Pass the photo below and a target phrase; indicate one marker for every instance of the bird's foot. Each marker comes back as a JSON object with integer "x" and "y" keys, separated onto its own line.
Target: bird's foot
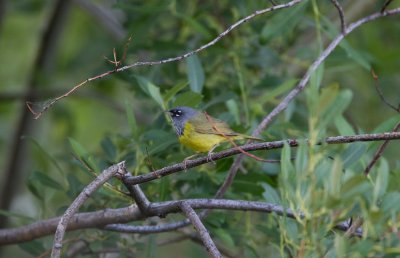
{"x": 209, "y": 157}
{"x": 186, "y": 160}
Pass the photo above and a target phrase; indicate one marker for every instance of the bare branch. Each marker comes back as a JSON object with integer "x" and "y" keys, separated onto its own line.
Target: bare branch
{"x": 379, "y": 152}
{"x": 140, "y": 198}
{"x": 378, "y": 89}
{"x": 100, "y": 219}
{"x": 83, "y": 196}
{"x": 78, "y": 221}
{"x": 201, "y": 229}
{"x": 45, "y": 107}
{"x": 341, "y": 15}
{"x": 147, "y": 229}
{"x": 127, "y": 179}
{"x": 387, "y": 3}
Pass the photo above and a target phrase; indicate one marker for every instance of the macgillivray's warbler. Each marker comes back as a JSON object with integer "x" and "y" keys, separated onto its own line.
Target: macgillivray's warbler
{"x": 201, "y": 132}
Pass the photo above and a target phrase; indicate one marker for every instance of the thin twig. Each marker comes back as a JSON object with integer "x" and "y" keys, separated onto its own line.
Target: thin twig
{"x": 251, "y": 147}
{"x": 82, "y": 197}
{"x": 341, "y": 15}
{"x": 387, "y": 3}
{"x": 378, "y": 89}
{"x": 379, "y": 152}
{"x": 45, "y": 107}
{"x": 201, "y": 229}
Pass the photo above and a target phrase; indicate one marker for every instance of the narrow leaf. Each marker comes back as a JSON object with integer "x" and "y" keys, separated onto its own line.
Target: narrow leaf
{"x": 195, "y": 73}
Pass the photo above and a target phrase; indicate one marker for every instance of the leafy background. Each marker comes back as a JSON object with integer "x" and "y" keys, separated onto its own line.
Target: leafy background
{"x": 240, "y": 79}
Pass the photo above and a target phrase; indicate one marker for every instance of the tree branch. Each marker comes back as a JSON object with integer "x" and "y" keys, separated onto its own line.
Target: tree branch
{"x": 83, "y": 196}
{"x": 100, "y": 219}
{"x": 201, "y": 229}
{"x": 341, "y": 15}
{"x": 127, "y": 179}
{"x": 379, "y": 152}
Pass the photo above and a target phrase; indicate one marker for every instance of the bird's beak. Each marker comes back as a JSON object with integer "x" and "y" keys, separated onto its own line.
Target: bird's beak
{"x": 167, "y": 111}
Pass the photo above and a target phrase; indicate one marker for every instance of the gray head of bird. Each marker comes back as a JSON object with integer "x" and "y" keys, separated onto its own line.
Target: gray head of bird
{"x": 180, "y": 115}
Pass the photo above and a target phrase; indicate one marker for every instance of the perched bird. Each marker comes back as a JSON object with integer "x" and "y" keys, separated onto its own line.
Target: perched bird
{"x": 201, "y": 132}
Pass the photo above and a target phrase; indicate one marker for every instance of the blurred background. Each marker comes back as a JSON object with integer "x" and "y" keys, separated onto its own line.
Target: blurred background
{"x": 48, "y": 47}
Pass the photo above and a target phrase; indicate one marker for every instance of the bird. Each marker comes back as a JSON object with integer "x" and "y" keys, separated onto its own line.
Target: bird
{"x": 201, "y": 132}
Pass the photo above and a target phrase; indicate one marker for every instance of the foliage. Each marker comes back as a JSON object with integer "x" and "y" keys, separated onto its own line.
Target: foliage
{"x": 240, "y": 79}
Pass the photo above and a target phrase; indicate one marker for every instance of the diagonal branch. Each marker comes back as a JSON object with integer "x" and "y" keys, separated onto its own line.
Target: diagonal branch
{"x": 140, "y": 198}
{"x": 83, "y": 196}
{"x": 379, "y": 152}
{"x": 201, "y": 229}
{"x": 341, "y": 15}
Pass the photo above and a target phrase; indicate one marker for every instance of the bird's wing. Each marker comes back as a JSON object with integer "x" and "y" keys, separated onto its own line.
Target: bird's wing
{"x": 206, "y": 124}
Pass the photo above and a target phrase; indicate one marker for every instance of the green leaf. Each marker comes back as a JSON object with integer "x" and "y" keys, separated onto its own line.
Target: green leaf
{"x": 75, "y": 186}
{"x": 174, "y": 90}
{"x": 150, "y": 89}
{"x": 353, "y": 153}
{"x": 131, "y": 120}
{"x": 225, "y": 237}
{"x": 39, "y": 177}
{"x": 343, "y": 126}
{"x": 34, "y": 189}
{"x": 109, "y": 148}
{"x": 336, "y": 108}
{"x": 83, "y": 155}
{"x": 335, "y": 178}
{"x": 270, "y": 194}
{"x": 195, "y": 73}
{"x": 279, "y": 90}
{"x": 354, "y": 54}
{"x": 282, "y": 22}
{"x": 391, "y": 203}
{"x": 34, "y": 247}
{"x": 381, "y": 180}
{"x": 188, "y": 98}
{"x": 301, "y": 157}
{"x": 387, "y": 124}
{"x": 17, "y": 215}
{"x": 356, "y": 185}
{"x": 234, "y": 109}
{"x": 41, "y": 149}
{"x": 78, "y": 149}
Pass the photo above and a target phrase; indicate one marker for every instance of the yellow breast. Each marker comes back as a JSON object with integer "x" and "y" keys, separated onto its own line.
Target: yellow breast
{"x": 198, "y": 141}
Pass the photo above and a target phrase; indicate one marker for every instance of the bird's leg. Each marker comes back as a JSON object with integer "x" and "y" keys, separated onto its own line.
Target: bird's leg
{"x": 210, "y": 152}
{"x": 187, "y": 159}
